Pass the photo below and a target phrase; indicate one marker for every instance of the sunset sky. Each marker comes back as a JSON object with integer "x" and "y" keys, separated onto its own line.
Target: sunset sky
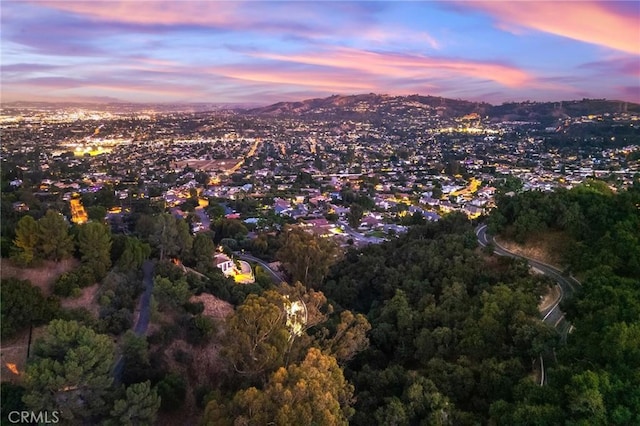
{"x": 264, "y": 51}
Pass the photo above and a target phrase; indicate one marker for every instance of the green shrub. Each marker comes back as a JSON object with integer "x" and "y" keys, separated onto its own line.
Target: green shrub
{"x": 66, "y": 284}
{"x": 172, "y": 390}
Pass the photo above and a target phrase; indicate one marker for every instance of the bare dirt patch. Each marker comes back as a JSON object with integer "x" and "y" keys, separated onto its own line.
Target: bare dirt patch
{"x": 203, "y": 369}
{"x": 546, "y": 247}
{"x": 41, "y": 276}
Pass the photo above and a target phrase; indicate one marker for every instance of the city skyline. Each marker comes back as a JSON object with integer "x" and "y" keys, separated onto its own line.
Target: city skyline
{"x": 264, "y": 52}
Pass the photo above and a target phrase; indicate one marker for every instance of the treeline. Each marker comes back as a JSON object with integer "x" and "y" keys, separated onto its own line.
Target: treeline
{"x": 596, "y": 380}
{"x": 455, "y": 331}
{"x": 602, "y": 228}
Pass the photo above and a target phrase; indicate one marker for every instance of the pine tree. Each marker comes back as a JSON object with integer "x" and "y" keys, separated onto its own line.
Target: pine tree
{"x": 54, "y": 241}
{"x": 139, "y": 408}
{"x": 26, "y": 240}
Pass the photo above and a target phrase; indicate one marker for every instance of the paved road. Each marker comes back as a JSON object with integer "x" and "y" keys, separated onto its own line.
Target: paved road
{"x": 204, "y": 218}
{"x": 145, "y": 301}
{"x": 276, "y": 276}
{"x": 552, "y": 315}
{"x": 145, "y": 313}
{"x": 357, "y": 236}
{"x": 567, "y": 285}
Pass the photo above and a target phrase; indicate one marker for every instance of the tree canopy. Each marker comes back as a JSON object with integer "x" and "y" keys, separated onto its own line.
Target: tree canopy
{"x": 312, "y": 392}
{"x": 305, "y": 256}
{"x": 26, "y": 240}
{"x": 595, "y": 379}
{"x": 70, "y": 372}
{"x": 23, "y": 305}
{"x": 94, "y": 245}
{"x": 54, "y": 241}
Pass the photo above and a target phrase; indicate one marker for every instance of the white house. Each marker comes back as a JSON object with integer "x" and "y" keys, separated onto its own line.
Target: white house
{"x": 223, "y": 262}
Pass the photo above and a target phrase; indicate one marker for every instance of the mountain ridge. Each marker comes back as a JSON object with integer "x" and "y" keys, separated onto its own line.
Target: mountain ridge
{"x": 361, "y": 105}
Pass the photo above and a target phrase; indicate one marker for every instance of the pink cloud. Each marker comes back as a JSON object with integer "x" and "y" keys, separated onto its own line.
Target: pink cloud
{"x": 391, "y": 65}
{"x": 624, "y": 66}
{"x": 148, "y": 12}
{"x": 230, "y": 15}
{"x": 591, "y": 21}
{"x": 399, "y": 35}
{"x": 312, "y": 79}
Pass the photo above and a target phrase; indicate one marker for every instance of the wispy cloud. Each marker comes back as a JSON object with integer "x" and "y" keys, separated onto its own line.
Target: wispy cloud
{"x": 254, "y": 50}
{"x": 320, "y": 80}
{"x": 615, "y": 66}
{"x": 259, "y": 17}
{"x": 629, "y": 92}
{"x": 395, "y": 65}
{"x": 149, "y": 12}
{"x": 26, "y": 68}
{"x": 600, "y": 23}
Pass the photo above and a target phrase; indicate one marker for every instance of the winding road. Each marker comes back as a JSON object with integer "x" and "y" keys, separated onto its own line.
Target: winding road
{"x": 567, "y": 285}
{"x": 277, "y": 277}
{"x": 551, "y": 315}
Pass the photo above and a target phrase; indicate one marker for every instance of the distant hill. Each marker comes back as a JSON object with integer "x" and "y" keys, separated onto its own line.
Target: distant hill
{"x": 371, "y": 105}
{"x": 551, "y": 111}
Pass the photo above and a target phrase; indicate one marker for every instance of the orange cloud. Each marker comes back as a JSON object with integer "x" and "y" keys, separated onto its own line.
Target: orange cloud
{"x": 590, "y": 22}
{"x": 390, "y": 65}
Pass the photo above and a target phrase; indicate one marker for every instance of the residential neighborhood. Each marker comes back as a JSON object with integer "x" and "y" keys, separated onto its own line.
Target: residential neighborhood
{"x": 358, "y": 180}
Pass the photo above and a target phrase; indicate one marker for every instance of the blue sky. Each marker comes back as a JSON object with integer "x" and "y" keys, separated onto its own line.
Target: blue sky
{"x": 265, "y": 51}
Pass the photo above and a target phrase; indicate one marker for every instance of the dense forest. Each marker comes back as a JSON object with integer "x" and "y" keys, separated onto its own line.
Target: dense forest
{"x": 427, "y": 328}
{"x": 596, "y": 379}
{"x": 455, "y": 330}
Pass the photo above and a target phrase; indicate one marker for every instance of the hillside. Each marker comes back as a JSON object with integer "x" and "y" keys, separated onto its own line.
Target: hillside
{"x": 372, "y": 105}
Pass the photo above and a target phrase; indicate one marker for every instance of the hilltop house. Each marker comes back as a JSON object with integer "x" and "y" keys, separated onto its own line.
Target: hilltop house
{"x": 241, "y": 273}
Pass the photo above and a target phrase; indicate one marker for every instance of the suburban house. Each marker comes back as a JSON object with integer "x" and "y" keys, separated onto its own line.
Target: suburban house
{"x": 241, "y": 273}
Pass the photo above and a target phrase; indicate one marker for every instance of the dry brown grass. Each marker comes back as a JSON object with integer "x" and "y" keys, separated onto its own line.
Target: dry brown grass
{"x": 14, "y": 351}
{"x": 86, "y": 300}
{"x": 545, "y": 247}
{"x": 204, "y": 369}
{"x": 213, "y": 307}
{"x": 549, "y": 298}
{"x": 41, "y": 276}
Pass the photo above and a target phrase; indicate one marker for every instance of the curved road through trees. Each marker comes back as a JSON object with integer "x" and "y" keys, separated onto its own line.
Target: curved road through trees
{"x": 277, "y": 277}
{"x": 552, "y": 315}
{"x": 567, "y": 285}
